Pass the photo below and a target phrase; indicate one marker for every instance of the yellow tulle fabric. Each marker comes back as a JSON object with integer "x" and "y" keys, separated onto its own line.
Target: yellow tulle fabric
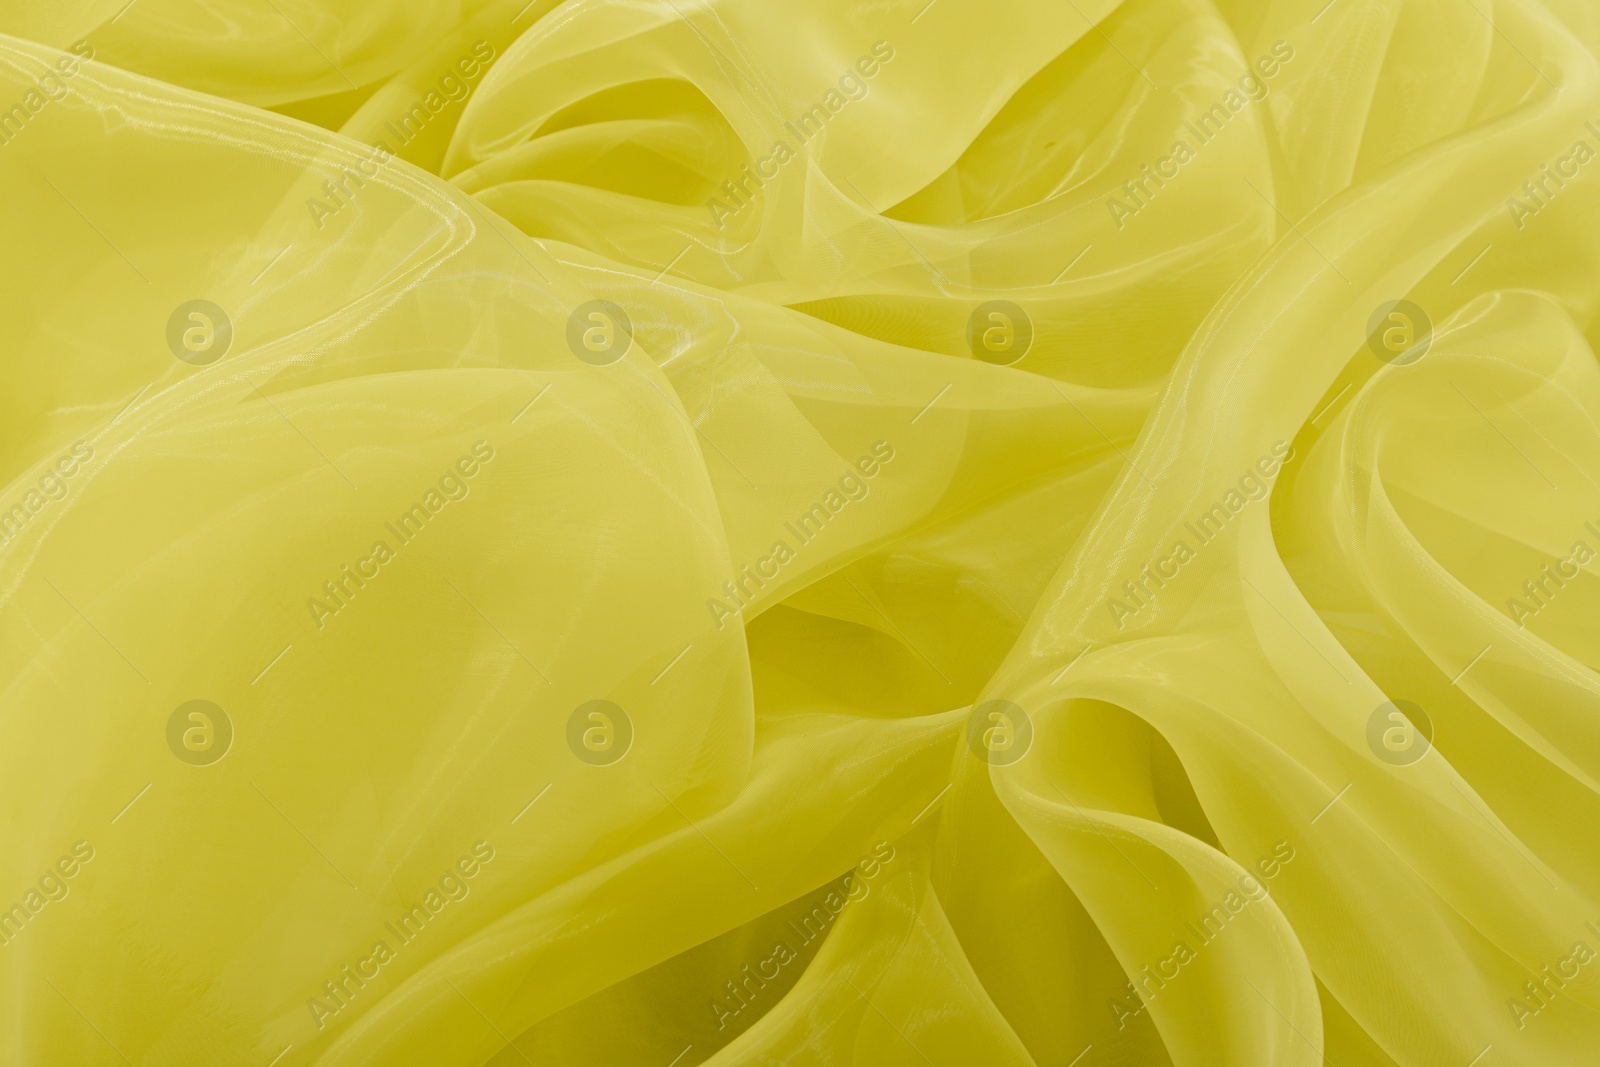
{"x": 733, "y": 533}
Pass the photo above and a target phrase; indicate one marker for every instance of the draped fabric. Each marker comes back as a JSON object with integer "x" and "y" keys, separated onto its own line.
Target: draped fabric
{"x": 732, "y": 533}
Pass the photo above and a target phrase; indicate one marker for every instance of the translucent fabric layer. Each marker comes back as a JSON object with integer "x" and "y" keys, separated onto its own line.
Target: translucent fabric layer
{"x": 839, "y": 535}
